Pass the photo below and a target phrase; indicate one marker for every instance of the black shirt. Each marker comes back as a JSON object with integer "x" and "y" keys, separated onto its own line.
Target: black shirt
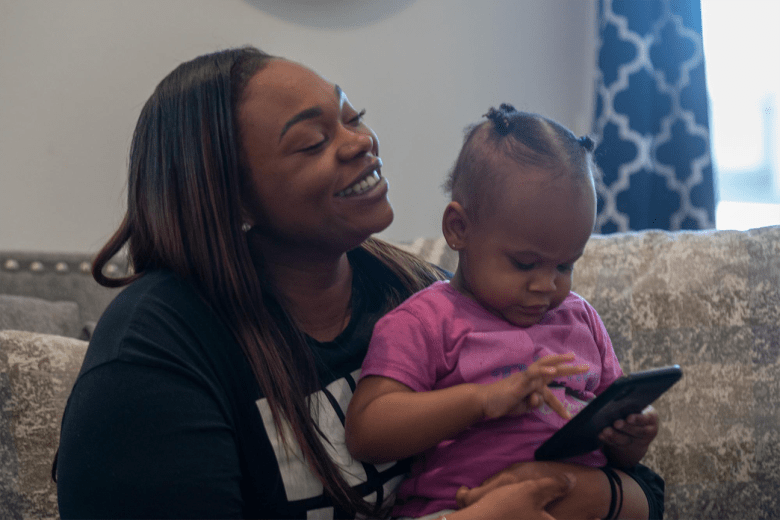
{"x": 166, "y": 419}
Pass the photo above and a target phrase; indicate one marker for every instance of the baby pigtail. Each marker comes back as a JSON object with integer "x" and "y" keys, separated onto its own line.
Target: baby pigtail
{"x": 587, "y": 143}
{"x": 500, "y": 118}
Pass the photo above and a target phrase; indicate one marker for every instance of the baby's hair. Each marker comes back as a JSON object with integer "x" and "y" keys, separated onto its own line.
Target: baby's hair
{"x": 526, "y": 138}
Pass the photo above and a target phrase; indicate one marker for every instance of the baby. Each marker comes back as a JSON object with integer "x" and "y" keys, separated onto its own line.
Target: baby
{"x": 460, "y": 374}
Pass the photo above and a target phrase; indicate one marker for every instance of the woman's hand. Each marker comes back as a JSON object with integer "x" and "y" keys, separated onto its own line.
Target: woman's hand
{"x": 527, "y": 500}
{"x": 523, "y": 391}
{"x": 626, "y": 442}
{"x": 589, "y": 497}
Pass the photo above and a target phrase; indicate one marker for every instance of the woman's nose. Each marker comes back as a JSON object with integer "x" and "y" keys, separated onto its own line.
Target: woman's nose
{"x": 356, "y": 144}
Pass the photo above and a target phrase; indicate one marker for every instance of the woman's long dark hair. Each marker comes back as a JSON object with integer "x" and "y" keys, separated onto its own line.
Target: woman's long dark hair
{"x": 184, "y": 214}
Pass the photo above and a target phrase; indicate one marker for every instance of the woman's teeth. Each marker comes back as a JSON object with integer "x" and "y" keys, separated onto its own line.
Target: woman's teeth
{"x": 361, "y": 186}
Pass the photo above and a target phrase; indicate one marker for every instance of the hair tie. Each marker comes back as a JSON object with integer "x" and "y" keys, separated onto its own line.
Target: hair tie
{"x": 616, "y": 487}
{"x": 500, "y": 118}
{"x": 586, "y": 142}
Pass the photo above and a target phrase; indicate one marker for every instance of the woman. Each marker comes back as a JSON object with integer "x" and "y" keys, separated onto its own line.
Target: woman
{"x": 215, "y": 384}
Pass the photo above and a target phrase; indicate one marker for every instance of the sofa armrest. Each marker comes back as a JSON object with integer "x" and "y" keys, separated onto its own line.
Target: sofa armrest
{"x": 710, "y": 302}
{"x": 37, "y": 372}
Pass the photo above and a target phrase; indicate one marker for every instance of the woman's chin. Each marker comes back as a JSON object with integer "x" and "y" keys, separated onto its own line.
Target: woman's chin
{"x": 378, "y": 221}
{"x": 369, "y": 232}
{"x": 386, "y": 221}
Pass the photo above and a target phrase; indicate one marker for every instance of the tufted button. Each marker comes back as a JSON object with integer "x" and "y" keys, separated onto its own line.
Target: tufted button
{"x": 11, "y": 264}
{"x": 85, "y": 267}
{"x": 36, "y": 267}
{"x": 61, "y": 267}
{"x": 112, "y": 269}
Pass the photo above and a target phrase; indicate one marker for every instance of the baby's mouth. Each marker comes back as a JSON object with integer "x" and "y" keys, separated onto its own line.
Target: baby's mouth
{"x": 365, "y": 183}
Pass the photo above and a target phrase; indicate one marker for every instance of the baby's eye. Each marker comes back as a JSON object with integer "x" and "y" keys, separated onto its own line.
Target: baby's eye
{"x": 523, "y": 267}
{"x": 566, "y": 268}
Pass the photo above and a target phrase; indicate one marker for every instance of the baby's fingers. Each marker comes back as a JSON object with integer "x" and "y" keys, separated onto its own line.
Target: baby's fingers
{"x": 555, "y": 404}
{"x": 570, "y": 370}
{"x": 554, "y": 366}
{"x": 647, "y": 417}
{"x": 555, "y": 359}
{"x": 635, "y": 428}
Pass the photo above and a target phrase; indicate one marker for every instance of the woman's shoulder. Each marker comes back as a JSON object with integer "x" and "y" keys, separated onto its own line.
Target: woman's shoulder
{"x": 159, "y": 315}
{"x": 157, "y": 283}
{"x": 158, "y": 295}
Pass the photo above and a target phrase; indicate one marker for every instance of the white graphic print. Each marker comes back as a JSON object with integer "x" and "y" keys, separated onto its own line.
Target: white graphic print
{"x": 299, "y": 482}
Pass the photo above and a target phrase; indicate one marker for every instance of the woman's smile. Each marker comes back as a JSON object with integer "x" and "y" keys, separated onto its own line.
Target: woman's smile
{"x": 314, "y": 167}
{"x": 367, "y": 180}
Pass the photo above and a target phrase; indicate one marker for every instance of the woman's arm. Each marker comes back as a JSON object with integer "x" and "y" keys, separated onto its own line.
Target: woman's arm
{"x": 528, "y": 500}
{"x": 590, "y": 497}
{"x": 144, "y": 442}
{"x": 387, "y": 420}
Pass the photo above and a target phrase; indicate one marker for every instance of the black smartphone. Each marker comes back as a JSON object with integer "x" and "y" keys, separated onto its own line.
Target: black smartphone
{"x": 627, "y": 395}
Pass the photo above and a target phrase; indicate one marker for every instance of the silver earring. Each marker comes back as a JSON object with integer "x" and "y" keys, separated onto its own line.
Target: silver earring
{"x": 246, "y": 226}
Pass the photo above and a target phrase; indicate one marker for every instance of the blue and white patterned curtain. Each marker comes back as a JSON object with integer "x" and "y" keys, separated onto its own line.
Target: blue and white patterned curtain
{"x": 651, "y": 118}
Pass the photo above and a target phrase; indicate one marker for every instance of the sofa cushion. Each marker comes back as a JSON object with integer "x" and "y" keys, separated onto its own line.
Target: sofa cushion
{"x": 710, "y": 302}
{"x": 37, "y": 372}
{"x": 36, "y": 315}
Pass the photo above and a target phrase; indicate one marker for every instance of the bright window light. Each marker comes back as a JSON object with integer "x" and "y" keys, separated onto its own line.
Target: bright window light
{"x": 746, "y": 215}
{"x": 742, "y": 52}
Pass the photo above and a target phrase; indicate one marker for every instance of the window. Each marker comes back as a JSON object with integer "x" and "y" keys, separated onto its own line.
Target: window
{"x": 742, "y": 52}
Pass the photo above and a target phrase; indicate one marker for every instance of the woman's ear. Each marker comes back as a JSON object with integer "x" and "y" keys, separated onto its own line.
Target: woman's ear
{"x": 246, "y": 215}
{"x": 455, "y": 225}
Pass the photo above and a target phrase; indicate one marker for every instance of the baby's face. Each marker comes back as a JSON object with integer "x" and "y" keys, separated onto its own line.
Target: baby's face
{"x": 519, "y": 255}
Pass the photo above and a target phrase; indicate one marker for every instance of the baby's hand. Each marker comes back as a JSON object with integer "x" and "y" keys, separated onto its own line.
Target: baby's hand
{"x": 627, "y": 440}
{"x": 522, "y": 391}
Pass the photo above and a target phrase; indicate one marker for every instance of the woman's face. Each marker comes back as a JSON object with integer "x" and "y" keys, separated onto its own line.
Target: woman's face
{"x": 315, "y": 173}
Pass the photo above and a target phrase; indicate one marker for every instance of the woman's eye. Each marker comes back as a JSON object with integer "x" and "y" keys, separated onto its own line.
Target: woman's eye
{"x": 358, "y": 118}
{"x": 313, "y": 147}
{"x": 523, "y": 267}
{"x": 566, "y": 268}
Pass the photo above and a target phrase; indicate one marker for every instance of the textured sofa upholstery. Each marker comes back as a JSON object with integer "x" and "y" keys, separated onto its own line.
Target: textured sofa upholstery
{"x": 708, "y": 301}
{"x": 37, "y": 372}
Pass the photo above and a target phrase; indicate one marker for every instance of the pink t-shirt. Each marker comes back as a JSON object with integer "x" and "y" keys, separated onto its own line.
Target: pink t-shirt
{"x": 439, "y": 338}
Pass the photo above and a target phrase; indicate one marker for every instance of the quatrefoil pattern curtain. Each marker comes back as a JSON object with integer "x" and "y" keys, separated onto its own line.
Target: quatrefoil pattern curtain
{"x": 651, "y": 118}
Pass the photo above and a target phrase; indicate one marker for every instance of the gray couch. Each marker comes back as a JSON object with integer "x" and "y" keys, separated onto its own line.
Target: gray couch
{"x": 52, "y": 293}
{"x": 708, "y": 301}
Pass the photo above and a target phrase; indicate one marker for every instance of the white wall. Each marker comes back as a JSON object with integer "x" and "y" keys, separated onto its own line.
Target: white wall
{"x": 74, "y": 74}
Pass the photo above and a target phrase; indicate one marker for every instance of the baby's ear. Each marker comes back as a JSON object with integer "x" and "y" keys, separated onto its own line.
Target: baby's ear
{"x": 455, "y": 225}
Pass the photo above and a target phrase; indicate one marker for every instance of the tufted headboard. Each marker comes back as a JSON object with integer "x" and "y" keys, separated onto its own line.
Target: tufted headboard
{"x": 52, "y": 293}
